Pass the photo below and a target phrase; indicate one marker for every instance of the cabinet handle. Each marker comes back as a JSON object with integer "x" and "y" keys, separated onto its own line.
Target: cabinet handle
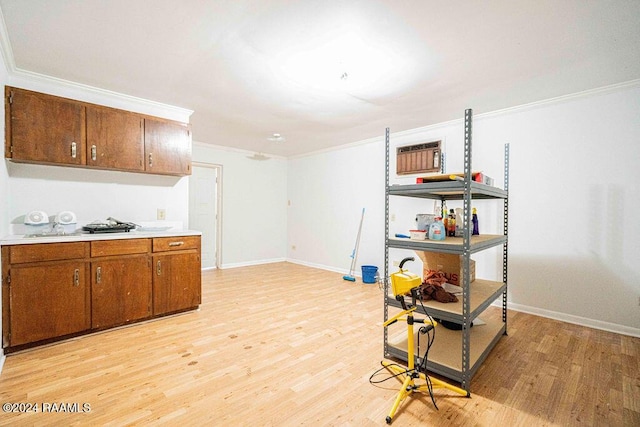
{"x": 176, "y": 243}
{"x": 158, "y": 268}
{"x": 94, "y": 152}
{"x": 74, "y": 150}
{"x": 150, "y": 159}
{"x": 98, "y": 274}
{"x": 76, "y": 277}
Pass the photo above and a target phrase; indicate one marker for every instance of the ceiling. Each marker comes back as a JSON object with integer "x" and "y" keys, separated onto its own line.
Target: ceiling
{"x": 325, "y": 73}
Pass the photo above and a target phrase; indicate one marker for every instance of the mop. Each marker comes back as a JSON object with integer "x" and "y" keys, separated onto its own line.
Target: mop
{"x": 354, "y": 254}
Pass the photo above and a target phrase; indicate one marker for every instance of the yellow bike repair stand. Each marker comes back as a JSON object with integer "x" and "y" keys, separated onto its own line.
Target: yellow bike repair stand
{"x": 409, "y": 375}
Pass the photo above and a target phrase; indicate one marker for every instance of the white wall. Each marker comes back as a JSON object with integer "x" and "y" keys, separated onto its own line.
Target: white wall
{"x": 573, "y": 247}
{"x": 327, "y": 193}
{"x": 254, "y": 200}
{"x": 95, "y": 195}
{"x": 573, "y": 241}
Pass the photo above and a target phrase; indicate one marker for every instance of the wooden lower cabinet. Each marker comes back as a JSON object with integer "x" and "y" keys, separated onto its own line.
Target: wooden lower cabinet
{"x": 176, "y": 282}
{"x": 120, "y": 291}
{"x": 54, "y": 290}
{"x": 48, "y": 301}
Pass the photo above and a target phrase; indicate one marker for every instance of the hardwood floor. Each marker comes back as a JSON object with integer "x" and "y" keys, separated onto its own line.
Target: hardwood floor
{"x": 287, "y": 345}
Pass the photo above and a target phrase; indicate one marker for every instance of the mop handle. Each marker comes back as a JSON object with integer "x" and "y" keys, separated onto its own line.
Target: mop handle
{"x": 355, "y": 248}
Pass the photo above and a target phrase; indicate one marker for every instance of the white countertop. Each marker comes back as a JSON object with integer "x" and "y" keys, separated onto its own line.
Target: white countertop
{"x": 20, "y": 239}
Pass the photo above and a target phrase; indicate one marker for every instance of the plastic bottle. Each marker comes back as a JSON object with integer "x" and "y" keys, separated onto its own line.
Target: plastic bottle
{"x": 436, "y": 230}
{"x": 459, "y": 222}
{"x": 444, "y": 217}
{"x": 451, "y": 224}
{"x": 474, "y": 220}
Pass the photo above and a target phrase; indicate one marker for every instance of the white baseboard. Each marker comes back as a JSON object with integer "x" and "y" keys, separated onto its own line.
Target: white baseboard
{"x": 576, "y": 320}
{"x": 321, "y": 266}
{"x": 250, "y": 263}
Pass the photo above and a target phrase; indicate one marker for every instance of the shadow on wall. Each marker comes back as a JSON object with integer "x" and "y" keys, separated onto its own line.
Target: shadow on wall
{"x": 98, "y": 176}
{"x": 585, "y": 287}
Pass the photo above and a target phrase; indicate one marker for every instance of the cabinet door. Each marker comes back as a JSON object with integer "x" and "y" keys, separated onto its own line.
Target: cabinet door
{"x": 44, "y": 129}
{"x": 167, "y": 147}
{"x": 176, "y": 282}
{"x": 115, "y": 139}
{"x": 120, "y": 290}
{"x": 48, "y": 301}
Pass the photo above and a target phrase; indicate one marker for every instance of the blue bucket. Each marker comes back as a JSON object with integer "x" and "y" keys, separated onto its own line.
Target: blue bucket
{"x": 369, "y": 273}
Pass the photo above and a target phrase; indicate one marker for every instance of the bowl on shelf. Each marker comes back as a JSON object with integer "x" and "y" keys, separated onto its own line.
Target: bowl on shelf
{"x": 418, "y": 234}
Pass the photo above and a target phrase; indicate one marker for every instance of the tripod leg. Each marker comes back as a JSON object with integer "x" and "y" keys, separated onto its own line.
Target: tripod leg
{"x": 407, "y": 388}
{"x": 436, "y": 383}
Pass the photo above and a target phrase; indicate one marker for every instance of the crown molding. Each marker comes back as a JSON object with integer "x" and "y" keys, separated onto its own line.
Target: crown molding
{"x": 603, "y": 90}
{"x": 61, "y": 87}
{"x": 5, "y": 46}
{"x": 502, "y": 112}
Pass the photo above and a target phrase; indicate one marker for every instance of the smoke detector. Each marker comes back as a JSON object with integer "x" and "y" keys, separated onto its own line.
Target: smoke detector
{"x": 276, "y": 137}
{"x": 258, "y": 156}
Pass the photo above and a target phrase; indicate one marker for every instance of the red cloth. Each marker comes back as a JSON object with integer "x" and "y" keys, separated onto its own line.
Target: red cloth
{"x": 431, "y": 288}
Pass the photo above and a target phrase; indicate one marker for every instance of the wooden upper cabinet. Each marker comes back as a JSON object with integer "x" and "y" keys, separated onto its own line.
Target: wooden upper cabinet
{"x": 43, "y": 128}
{"x": 115, "y": 139}
{"x": 167, "y": 147}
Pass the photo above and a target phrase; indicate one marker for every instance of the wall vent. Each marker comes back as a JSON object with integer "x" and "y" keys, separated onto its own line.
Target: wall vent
{"x": 418, "y": 158}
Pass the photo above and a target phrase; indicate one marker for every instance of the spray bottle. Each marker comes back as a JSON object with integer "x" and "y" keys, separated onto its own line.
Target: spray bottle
{"x": 474, "y": 220}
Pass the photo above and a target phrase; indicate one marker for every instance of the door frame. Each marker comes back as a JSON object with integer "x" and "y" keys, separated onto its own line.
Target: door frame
{"x": 218, "y": 242}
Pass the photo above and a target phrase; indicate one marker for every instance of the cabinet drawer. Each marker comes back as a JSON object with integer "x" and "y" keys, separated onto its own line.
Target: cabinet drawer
{"x": 47, "y": 252}
{"x": 120, "y": 247}
{"x": 178, "y": 243}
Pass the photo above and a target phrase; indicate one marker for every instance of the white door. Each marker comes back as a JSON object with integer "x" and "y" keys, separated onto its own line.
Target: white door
{"x": 203, "y": 210}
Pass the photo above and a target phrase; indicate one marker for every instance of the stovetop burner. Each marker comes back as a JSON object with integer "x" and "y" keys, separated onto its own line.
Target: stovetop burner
{"x": 111, "y": 226}
{"x": 107, "y": 228}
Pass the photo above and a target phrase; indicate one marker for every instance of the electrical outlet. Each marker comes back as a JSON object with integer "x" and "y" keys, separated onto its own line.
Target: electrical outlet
{"x": 162, "y": 214}
{"x": 392, "y": 217}
{"x": 293, "y": 247}
{"x": 396, "y": 263}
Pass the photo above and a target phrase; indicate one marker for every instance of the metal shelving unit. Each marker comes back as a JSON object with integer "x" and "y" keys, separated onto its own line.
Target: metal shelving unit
{"x": 455, "y": 354}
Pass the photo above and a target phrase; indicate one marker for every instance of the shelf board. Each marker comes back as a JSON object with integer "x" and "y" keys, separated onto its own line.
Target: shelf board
{"x": 450, "y": 244}
{"x": 445, "y": 356}
{"x": 448, "y": 190}
{"x": 482, "y": 292}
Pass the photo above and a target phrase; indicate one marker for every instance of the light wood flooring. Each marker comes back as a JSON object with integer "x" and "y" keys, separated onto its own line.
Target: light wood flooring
{"x": 287, "y": 345}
